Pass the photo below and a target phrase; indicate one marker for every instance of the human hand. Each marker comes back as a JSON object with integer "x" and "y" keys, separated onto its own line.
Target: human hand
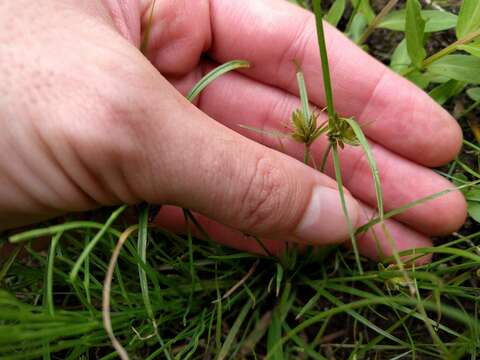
{"x": 88, "y": 121}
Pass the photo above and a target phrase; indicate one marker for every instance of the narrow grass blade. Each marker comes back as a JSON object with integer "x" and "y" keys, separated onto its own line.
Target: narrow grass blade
{"x": 448, "y": 311}
{"x": 351, "y": 232}
{"x": 214, "y": 74}
{"x": 52, "y": 230}
{"x": 142, "y": 253}
{"x": 95, "y": 240}
{"x": 9, "y": 262}
{"x": 371, "y": 162}
{"x": 364, "y": 228}
{"x": 48, "y": 294}
{"x": 302, "y": 89}
{"x": 107, "y": 321}
{"x": 227, "y": 345}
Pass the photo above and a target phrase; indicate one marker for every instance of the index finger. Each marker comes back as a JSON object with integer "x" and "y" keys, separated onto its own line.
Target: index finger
{"x": 397, "y": 114}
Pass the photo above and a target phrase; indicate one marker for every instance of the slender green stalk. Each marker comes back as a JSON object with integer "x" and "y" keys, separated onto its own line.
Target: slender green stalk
{"x": 444, "y": 52}
{"x": 142, "y": 253}
{"x": 52, "y": 230}
{"x": 351, "y": 231}
{"x": 306, "y": 154}
{"x": 332, "y": 123}
{"x": 49, "y": 274}
{"x": 325, "y": 157}
{"x": 95, "y": 240}
{"x": 327, "y": 83}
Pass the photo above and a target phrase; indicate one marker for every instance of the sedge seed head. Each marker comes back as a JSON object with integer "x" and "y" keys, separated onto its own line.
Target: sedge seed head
{"x": 305, "y": 129}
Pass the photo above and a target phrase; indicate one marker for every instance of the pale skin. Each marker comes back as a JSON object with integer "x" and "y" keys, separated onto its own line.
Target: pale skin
{"x": 87, "y": 121}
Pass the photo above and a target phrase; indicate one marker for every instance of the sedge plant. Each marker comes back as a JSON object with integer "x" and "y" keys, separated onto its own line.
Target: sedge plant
{"x": 177, "y": 298}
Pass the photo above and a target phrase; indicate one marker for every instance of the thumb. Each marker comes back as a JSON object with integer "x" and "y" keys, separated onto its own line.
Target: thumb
{"x": 197, "y": 163}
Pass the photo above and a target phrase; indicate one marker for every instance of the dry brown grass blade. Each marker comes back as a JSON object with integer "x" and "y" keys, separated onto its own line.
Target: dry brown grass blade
{"x": 107, "y": 321}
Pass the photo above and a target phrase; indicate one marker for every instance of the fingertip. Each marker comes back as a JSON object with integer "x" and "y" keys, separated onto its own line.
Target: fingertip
{"x": 446, "y": 140}
{"x": 449, "y": 215}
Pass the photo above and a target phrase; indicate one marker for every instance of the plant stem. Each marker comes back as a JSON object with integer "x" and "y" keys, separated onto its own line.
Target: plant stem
{"x": 451, "y": 48}
{"x": 327, "y": 83}
{"x": 373, "y": 25}
{"x": 325, "y": 157}
{"x": 444, "y": 52}
{"x": 351, "y": 231}
{"x": 306, "y": 154}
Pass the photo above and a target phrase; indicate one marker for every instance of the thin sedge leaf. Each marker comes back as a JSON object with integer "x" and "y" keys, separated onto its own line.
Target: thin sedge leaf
{"x": 142, "y": 253}
{"x": 49, "y": 274}
{"x": 351, "y": 232}
{"x": 448, "y": 311}
{"x": 214, "y": 74}
{"x": 302, "y": 89}
{"x": 95, "y": 240}
{"x": 52, "y": 230}
{"x": 371, "y": 162}
{"x": 441, "y": 250}
{"x": 9, "y": 262}
{"x": 364, "y": 228}
{"x": 227, "y": 345}
{"x": 360, "y": 318}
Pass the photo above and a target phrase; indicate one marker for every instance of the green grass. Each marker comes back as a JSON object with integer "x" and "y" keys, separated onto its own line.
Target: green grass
{"x": 172, "y": 297}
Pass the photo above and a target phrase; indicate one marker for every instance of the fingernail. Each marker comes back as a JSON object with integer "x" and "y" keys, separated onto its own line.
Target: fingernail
{"x": 324, "y": 221}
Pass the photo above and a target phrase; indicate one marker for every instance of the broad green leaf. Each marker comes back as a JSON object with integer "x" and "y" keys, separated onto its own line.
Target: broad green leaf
{"x": 473, "y": 194}
{"x": 400, "y": 60}
{"x": 446, "y": 90}
{"x": 435, "y": 20}
{"x": 471, "y": 49}
{"x": 474, "y": 210}
{"x": 359, "y": 24}
{"x": 474, "y": 93}
{"x": 420, "y": 79}
{"x": 460, "y": 179}
{"x": 414, "y": 33}
{"x": 469, "y": 18}
{"x": 464, "y": 68}
{"x": 364, "y": 8}
{"x": 336, "y": 12}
